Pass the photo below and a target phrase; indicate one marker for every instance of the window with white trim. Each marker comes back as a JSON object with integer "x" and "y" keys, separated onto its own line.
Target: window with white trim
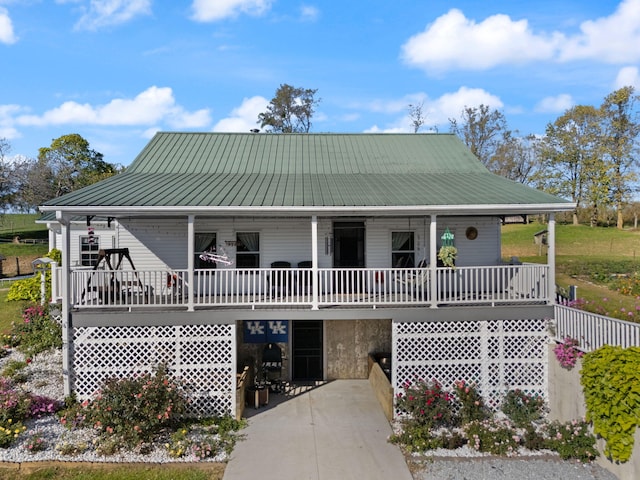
{"x": 89, "y": 248}
{"x": 204, "y": 242}
{"x": 402, "y": 250}
{"x": 248, "y": 250}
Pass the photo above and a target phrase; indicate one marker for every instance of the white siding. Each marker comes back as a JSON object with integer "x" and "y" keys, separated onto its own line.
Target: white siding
{"x": 104, "y": 235}
{"x": 155, "y": 244}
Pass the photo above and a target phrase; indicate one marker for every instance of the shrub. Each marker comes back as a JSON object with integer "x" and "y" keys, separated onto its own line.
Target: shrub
{"x": 14, "y": 404}
{"x": 133, "y": 410}
{"x": 418, "y": 438}
{"x": 179, "y": 444}
{"x": 522, "y": 408}
{"x": 492, "y": 436}
{"x": 571, "y": 440}
{"x": 426, "y": 403}
{"x": 9, "y": 433}
{"x": 471, "y": 404}
{"x": 29, "y": 289}
{"x": 610, "y": 377}
{"x": 13, "y": 369}
{"x": 39, "y": 406}
{"x": 35, "y": 443}
{"x": 37, "y": 332}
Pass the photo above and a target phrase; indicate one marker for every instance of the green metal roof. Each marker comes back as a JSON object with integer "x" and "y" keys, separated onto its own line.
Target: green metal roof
{"x": 303, "y": 170}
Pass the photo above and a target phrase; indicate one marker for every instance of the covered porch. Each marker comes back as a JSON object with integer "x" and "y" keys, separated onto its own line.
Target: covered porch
{"x": 311, "y": 288}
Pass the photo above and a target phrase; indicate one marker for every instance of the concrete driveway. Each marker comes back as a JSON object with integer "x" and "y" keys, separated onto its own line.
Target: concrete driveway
{"x": 333, "y": 431}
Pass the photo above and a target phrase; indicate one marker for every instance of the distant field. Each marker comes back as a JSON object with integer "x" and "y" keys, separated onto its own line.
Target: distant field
{"x": 579, "y": 240}
{"x": 21, "y": 224}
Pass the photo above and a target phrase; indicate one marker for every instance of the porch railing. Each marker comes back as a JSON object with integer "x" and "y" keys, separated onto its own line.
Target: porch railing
{"x": 593, "y": 330}
{"x": 295, "y": 287}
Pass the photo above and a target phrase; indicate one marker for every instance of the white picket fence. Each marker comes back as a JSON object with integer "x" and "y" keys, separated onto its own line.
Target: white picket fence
{"x": 593, "y": 331}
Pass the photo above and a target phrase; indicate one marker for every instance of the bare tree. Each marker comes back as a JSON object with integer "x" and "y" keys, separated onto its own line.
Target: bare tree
{"x": 416, "y": 114}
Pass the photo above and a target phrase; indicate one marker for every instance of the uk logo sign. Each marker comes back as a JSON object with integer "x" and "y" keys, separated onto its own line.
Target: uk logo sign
{"x": 266, "y": 331}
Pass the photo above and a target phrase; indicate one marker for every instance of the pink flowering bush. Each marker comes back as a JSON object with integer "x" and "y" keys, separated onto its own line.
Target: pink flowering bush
{"x": 37, "y": 332}
{"x": 129, "y": 412}
{"x": 426, "y": 403}
{"x": 470, "y": 401}
{"x": 522, "y": 408}
{"x": 572, "y": 440}
{"x": 568, "y": 353}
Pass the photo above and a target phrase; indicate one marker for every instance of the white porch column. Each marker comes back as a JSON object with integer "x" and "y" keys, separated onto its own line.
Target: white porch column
{"x": 314, "y": 263}
{"x": 433, "y": 260}
{"x": 191, "y": 262}
{"x": 551, "y": 258}
{"x": 65, "y": 290}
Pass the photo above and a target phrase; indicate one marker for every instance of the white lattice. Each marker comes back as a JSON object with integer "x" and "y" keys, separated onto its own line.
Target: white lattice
{"x": 497, "y": 355}
{"x": 201, "y": 357}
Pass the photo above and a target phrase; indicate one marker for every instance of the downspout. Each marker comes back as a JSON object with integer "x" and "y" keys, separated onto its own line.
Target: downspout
{"x": 65, "y": 289}
{"x": 314, "y": 263}
{"x": 191, "y": 262}
{"x": 433, "y": 260}
{"x": 551, "y": 259}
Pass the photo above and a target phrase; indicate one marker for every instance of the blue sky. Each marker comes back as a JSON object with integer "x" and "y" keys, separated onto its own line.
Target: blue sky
{"x": 117, "y": 71}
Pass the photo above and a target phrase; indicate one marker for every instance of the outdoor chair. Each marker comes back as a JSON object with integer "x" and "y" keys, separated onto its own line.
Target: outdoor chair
{"x": 280, "y": 280}
{"x": 272, "y": 367}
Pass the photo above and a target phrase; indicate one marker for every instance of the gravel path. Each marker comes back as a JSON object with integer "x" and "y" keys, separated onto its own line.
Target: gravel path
{"x": 508, "y": 469}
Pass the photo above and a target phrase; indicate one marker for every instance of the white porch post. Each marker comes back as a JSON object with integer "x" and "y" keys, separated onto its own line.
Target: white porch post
{"x": 191, "y": 262}
{"x": 433, "y": 260}
{"x": 314, "y": 263}
{"x": 67, "y": 347}
{"x": 551, "y": 258}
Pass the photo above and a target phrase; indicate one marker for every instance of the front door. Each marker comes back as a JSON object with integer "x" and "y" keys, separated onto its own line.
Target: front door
{"x": 307, "y": 350}
{"x": 348, "y": 240}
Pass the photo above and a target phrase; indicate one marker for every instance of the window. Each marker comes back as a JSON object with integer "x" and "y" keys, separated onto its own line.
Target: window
{"x": 204, "y": 242}
{"x": 402, "y": 250}
{"x": 89, "y": 247}
{"x": 248, "y": 250}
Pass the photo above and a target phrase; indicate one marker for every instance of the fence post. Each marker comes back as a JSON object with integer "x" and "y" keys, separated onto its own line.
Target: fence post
{"x": 573, "y": 293}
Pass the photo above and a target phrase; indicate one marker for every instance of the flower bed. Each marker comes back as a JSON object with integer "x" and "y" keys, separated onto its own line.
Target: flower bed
{"x": 455, "y": 422}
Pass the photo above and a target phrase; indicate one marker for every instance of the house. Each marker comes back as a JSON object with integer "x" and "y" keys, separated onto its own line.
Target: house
{"x": 218, "y": 244}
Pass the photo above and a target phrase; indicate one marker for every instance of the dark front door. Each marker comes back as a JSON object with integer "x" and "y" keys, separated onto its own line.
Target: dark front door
{"x": 307, "y": 349}
{"x": 348, "y": 240}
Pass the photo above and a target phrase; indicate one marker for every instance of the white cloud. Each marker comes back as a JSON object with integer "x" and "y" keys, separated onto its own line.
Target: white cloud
{"x": 451, "y": 105}
{"x": 6, "y": 28}
{"x": 628, "y": 76}
{"x": 612, "y": 39}
{"x": 309, "y": 13}
{"x": 453, "y": 41}
{"x": 107, "y": 13}
{"x": 435, "y": 111}
{"x": 7, "y": 128}
{"x": 152, "y": 106}
{"x": 213, "y": 10}
{"x": 243, "y": 118}
{"x": 558, "y": 104}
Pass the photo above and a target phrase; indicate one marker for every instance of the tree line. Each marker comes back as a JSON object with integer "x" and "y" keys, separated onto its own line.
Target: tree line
{"x": 588, "y": 155}
{"x": 68, "y": 164}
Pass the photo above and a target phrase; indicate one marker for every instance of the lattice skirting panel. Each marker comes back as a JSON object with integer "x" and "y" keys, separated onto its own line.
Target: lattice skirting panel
{"x": 201, "y": 357}
{"x": 497, "y": 355}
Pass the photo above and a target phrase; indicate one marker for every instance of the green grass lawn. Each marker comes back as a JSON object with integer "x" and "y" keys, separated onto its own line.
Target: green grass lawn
{"x": 204, "y": 471}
